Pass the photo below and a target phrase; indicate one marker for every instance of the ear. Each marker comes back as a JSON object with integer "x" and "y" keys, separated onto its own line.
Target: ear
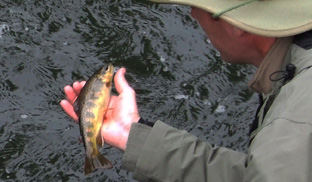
{"x": 238, "y": 32}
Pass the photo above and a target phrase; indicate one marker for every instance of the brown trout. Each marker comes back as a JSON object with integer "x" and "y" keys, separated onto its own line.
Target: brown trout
{"x": 91, "y": 106}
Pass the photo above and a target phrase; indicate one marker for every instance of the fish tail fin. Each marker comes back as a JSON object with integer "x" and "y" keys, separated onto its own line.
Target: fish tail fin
{"x": 93, "y": 162}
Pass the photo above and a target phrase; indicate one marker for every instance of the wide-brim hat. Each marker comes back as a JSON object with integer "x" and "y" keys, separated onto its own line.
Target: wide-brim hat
{"x": 272, "y": 18}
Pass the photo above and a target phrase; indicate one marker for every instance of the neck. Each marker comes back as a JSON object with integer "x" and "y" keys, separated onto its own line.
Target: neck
{"x": 262, "y": 47}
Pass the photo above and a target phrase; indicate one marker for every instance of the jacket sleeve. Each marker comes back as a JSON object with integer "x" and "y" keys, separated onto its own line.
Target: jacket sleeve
{"x": 163, "y": 153}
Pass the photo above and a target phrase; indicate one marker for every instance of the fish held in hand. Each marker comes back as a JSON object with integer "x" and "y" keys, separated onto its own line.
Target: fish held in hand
{"x": 91, "y": 106}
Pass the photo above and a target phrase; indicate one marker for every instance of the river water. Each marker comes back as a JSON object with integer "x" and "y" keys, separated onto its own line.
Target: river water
{"x": 177, "y": 74}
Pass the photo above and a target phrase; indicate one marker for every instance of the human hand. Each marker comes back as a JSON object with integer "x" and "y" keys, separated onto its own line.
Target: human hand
{"x": 122, "y": 112}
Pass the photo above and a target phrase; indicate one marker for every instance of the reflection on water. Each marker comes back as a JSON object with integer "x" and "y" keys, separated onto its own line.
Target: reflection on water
{"x": 176, "y": 73}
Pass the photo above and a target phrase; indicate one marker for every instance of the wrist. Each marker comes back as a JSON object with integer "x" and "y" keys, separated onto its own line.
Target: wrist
{"x": 123, "y": 141}
{"x": 125, "y": 135}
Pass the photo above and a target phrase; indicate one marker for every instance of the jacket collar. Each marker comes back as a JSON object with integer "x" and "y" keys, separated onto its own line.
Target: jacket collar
{"x": 301, "y": 57}
{"x": 275, "y": 59}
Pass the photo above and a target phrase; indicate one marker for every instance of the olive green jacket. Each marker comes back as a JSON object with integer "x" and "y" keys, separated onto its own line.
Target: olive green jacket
{"x": 281, "y": 149}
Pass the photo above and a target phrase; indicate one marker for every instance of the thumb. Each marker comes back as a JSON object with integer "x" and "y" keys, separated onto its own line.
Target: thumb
{"x": 121, "y": 83}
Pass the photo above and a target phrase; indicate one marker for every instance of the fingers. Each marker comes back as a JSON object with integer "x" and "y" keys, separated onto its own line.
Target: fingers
{"x": 70, "y": 94}
{"x": 121, "y": 83}
{"x": 78, "y": 86}
{"x": 68, "y": 108}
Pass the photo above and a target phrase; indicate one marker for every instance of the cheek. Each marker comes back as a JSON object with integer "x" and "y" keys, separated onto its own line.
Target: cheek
{"x": 193, "y": 12}
{"x": 205, "y": 20}
{"x": 199, "y": 14}
{"x": 213, "y": 28}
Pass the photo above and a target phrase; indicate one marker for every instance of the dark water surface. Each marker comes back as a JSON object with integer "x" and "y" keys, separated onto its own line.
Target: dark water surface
{"x": 178, "y": 76}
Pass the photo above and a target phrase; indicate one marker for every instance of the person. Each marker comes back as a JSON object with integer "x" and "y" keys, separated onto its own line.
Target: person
{"x": 275, "y": 36}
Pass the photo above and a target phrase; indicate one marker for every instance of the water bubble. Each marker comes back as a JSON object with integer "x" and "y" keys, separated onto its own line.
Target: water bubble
{"x": 162, "y": 59}
{"x": 24, "y": 116}
{"x": 217, "y": 54}
{"x": 197, "y": 94}
{"x": 3, "y": 28}
{"x": 207, "y": 102}
{"x": 69, "y": 127}
{"x": 220, "y": 109}
{"x": 207, "y": 41}
{"x": 180, "y": 96}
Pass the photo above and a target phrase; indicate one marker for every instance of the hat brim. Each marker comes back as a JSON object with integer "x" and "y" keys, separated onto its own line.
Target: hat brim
{"x": 272, "y": 18}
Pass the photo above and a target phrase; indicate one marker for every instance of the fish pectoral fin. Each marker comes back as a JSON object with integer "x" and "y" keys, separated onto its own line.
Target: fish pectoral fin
{"x": 100, "y": 140}
{"x": 108, "y": 109}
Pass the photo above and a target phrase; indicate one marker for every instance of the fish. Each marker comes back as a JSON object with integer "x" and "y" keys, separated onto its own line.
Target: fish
{"x": 91, "y": 106}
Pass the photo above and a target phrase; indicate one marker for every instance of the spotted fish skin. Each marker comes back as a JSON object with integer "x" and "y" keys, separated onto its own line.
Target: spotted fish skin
{"x": 91, "y": 106}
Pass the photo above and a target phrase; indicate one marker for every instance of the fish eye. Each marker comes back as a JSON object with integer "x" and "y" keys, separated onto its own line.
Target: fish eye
{"x": 105, "y": 68}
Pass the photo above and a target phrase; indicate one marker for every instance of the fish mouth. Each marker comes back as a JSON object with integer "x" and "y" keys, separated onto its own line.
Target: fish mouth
{"x": 110, "y": 69}
{"x": 107, "y": 73}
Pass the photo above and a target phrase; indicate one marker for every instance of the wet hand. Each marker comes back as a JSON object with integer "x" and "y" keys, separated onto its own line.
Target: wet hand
{"x": 121, "y": 114}
{"x": 71, "y": 93}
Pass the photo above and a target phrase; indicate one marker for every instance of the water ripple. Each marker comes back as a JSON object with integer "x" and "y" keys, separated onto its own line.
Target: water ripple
{"x": 177, "y": 74}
